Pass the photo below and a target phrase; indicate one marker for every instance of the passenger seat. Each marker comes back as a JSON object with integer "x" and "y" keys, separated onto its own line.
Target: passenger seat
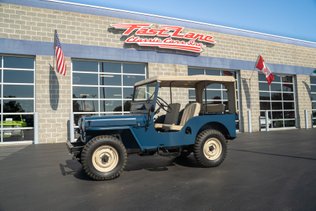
{"x": 190, "y": 111}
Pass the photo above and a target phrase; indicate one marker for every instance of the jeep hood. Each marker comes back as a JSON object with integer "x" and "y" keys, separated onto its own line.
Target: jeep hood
{"x": 113, "y": 121}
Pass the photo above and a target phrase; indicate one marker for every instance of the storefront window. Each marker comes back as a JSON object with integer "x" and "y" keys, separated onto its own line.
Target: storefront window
{"x": 17, "y": 98}
{"x": 101, "y": 87}
{"x": 278, "y": 100}
{"x": 216, "y": 93}
{"x": 313, "y": 98}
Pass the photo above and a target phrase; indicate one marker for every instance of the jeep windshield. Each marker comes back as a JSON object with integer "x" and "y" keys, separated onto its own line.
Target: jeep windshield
{"x": 143, "y": 97}
{"x": 145, "y": 92}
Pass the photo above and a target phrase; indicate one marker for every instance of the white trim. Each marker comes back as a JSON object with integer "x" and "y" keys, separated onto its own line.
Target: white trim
{"x": 18, "y": 69}
{"x": 17, "y": 128}
{"x": 120, "y": 119}
{"x": 16, "y": 142}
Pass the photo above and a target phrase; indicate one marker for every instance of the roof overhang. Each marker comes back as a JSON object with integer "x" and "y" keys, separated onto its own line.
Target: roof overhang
{"x": 187, "y": 81}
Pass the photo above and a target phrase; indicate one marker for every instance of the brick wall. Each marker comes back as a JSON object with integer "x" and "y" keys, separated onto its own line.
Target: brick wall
{"x": 303, "y": 101}
{"x": 28, "y": 23}
{"x": 249, "y": 100}
{"x": 53, "y": 101}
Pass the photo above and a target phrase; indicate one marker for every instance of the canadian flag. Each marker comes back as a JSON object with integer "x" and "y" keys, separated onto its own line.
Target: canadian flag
{"x": 264, "y": 69}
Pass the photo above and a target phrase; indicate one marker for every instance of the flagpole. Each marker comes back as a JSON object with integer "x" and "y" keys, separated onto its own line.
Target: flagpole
{"x": 54, "y": 47}
{"x": 250, "y": 102}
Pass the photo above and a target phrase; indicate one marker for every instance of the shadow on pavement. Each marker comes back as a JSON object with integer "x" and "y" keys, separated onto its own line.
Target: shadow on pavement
{"x": 74, "y": 168}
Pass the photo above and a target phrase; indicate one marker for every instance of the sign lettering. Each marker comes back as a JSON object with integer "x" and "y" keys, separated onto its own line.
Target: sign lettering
{"x": 166, "y": 37}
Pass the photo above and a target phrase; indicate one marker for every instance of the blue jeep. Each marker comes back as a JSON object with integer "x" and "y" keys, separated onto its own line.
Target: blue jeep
{"x": 155, "y": 126}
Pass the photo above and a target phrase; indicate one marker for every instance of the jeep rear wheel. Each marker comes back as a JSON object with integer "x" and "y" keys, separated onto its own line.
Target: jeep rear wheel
{"x": 104, "y": 158}
{"x": 210, "y": 148}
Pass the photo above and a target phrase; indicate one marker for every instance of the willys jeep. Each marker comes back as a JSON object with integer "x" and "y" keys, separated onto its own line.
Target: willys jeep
{"x": 155, "y": 126}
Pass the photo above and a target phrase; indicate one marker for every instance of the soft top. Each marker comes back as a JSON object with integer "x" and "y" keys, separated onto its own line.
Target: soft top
{"x": 187, "y": 81}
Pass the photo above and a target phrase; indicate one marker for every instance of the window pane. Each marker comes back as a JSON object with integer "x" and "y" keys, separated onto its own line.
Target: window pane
{"x": 212, "y": 72}
{"x": 212, "y": 95}
{"x": 11, "y": 121}
{"x": 87, "y": 66}
{"x": 214, "y": 86}
{"x": 192, "y": 71}
{"x": 277, "y": 115}
{"x": 313, "y": 88}
{"x": 18, "y": 62}
{"x": 289, "y": 114}
{"x": 111, "y": 105}
{"x": 108, "y": 92}
{"x": 276, "y": 87}
{"x": 15, "y": 91}
{"x": 112, "y": 80}
{"x": 262, "y": 77}
{"x": 18, "y": 76}
{"x": 289, "y": 123}
{"x": 277, "y": 124}
{"x": 313, "y": 97}
{"x": 276, "y": 105}
{"x": 85, "y": 106}
{"x": 85, "y": 79}
{"x": 277, "y": 78}
{"x": 17, "y": 106}
{"x": 128, "y": 93}
{"x": 288, "y": 96}
{"x": 130, "y": 80}
{"x": 111, "y": 67}
{"x": 288, "y": 105}
{"x": 18, "y": 135}
{"x": 313, "y": 79}
{"x": 314, "y": 114}
{"x": 287, "y": 79}
{"x": 191, "y": 94}
{"x": 265, "y": 106}
{"x": 263, "y": 86}
{"x": 134, "y": 68}
{"x": 276, "y": 96}
{"x": 288, "y": 87}
{"x": 264, "y": 96}
{"x": 85, "y": 92}
{"x": 314, "y": 105}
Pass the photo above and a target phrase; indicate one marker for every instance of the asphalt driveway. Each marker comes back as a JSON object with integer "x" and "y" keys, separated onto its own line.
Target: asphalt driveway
{"x": 262, "y": 171}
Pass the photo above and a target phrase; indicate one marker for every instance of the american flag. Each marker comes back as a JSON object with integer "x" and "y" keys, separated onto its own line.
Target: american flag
{"x": 60, "y": 59}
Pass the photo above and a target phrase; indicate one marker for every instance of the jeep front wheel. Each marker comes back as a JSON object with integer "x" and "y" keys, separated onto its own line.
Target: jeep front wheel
{"x": 210, "y": 148}
{"x": 104, "y": 158}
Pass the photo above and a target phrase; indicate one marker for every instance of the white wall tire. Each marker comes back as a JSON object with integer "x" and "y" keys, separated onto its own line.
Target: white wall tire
{"x": 210, "y": 148}
{"x": 104, "y": 158}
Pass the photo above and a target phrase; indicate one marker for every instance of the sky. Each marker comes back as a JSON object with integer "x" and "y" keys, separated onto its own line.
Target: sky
{"x": 288, "y": 18}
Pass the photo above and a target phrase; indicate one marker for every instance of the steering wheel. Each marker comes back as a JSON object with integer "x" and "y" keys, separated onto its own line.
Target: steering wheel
{"x": 162, "y": 105}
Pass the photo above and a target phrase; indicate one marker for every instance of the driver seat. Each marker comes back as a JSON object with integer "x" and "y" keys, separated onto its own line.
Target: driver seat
{"x": 171, "y": 117}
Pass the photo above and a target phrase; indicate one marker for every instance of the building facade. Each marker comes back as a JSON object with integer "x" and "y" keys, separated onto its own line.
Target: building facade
{"x": 39, "y": 105}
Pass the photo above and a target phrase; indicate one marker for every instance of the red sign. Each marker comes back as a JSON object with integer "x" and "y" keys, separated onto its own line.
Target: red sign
{"x": 163, "y": 37}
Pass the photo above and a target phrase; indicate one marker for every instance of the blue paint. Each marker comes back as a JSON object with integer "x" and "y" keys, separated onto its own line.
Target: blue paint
{"x": 160, "y": 20}
{"x": 24, "y": 47}
{"x": 147, "y": 137}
